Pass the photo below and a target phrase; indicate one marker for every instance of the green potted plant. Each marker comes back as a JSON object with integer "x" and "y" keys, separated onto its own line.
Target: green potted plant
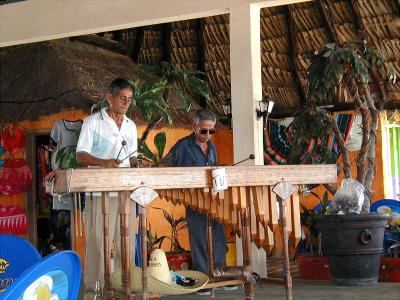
{"x": 178, "y": 258}
{"x": 353, "y": 242}
{"x": 153, "y": 240}
{"x": 313, "y": 264}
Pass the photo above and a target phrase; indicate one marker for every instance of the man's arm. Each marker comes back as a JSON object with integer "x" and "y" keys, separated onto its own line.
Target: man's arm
{"x": 171, "y": 159}
{"x": 85, "y": 159}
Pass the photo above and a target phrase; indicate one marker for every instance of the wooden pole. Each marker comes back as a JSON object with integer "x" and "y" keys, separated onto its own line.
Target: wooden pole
{"x": 286, "y": 268}
{"x": 246, "y": 245}
{"x": 210, "y": 250}
{"x": 143, "y": 239}
{"x": 107, "y": 259}
{"x": 125, "y": 209}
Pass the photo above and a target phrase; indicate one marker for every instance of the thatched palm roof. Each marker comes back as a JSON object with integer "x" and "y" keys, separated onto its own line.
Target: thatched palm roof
{"x": 45, "y": 78}
{"x": 71, "y": 74}
{"x": 287, "y": 33}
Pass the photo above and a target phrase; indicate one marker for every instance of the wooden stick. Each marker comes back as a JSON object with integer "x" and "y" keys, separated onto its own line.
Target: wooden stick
{"x": 106, "y": 244}
{"x": 246, "y": 244}
{"x": 286, "y": 266}
{"x": 125, "y": 209}
{"x": 210, "y": 249}
{"x": 143, "y": 238}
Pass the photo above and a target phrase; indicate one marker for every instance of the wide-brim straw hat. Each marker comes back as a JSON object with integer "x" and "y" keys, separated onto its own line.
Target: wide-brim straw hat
{"x": 157, "y": 286}
{"x": 158, "y": 278}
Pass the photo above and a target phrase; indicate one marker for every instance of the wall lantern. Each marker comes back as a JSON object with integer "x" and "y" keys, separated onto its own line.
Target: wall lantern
{"x": 227, "y": 109}
{"x": 264, "y": 107}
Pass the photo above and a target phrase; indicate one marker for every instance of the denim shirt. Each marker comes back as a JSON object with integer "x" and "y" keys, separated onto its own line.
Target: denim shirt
{"x": 187, "y": 153}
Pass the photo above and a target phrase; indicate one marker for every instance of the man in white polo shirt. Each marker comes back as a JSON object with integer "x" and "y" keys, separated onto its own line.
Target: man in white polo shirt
{"x": 106, "y": 139}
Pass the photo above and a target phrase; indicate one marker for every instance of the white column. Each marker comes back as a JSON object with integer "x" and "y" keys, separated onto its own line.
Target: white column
{"x": 246, "y": 88}
{"x": 246, "y": 91}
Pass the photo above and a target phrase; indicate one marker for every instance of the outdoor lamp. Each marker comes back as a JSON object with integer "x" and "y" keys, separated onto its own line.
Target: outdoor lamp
{"x": 264, "y": 107}
{"x": 226, "y": 108}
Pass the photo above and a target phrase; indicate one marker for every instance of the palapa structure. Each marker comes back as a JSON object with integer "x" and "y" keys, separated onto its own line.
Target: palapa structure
{"x": 287, "y": 33}
{"x": 45, "y": 78}
{"x": 52, "y": 76}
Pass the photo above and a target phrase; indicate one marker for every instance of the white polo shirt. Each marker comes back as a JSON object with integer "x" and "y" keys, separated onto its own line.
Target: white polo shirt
{"x": 101, "y": 137}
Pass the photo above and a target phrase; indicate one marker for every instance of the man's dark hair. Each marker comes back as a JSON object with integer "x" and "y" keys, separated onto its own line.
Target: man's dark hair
{"x": 119, "y": 84}
{"x": 204, "y": 114}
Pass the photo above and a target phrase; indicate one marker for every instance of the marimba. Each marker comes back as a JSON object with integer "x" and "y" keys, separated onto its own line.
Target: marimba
{"x": 248, "y": 205}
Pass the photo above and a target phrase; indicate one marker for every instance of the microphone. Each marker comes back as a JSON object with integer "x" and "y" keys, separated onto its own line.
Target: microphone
{"x": 251, "y": 156}
{"x": 123, "y": 144}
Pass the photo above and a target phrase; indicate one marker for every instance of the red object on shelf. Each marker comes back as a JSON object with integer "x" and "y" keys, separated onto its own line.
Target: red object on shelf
{"x": 314, "y": 268}
{"x": 390, "y": 269}
{"x": 181, "y": 261}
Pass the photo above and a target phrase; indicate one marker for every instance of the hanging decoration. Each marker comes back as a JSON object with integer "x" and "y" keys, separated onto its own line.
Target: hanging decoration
{"x": 15, "y": 177}
{"x": 12, "y": 220}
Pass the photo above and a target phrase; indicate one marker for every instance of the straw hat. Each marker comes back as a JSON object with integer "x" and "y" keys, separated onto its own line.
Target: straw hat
{"x": 159, "y": 277}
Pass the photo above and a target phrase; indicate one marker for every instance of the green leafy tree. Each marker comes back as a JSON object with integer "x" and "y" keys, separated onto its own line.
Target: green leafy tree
{"x": 345, "y": 70}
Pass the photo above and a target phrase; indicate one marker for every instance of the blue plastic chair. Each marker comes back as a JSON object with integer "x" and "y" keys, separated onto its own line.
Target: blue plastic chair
{"x": 57, "y": 276}
{"x": 16, "y": 255}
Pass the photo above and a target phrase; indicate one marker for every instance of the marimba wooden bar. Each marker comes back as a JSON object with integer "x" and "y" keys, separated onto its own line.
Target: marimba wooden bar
{"x": 249, "y": 205}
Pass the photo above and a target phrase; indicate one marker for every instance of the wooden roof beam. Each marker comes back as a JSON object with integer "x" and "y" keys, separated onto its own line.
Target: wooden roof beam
{"x": 167, "y": 32}
{"x": 364, "y": 35}
{"x": 201, "y": 56}
{"x": 327, "y": 18}
{"x": 138, "y": 44}
{"x": 293, "y": 55}
{"x": 41, "y": 20}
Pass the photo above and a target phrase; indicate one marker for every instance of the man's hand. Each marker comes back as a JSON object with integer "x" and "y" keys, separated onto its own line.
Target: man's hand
{"x": 85, "y": 159}
{"x": 111, "y": 163}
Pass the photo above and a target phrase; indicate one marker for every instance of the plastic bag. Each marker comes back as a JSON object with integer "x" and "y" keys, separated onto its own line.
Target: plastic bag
{"x": 349, "y": 198}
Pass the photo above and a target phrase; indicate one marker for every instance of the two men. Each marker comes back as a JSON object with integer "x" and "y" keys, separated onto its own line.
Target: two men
{"x": 108, "y": 136}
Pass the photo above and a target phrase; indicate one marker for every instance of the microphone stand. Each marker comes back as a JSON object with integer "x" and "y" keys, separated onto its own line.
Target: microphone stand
{"x": 251, "y": 156}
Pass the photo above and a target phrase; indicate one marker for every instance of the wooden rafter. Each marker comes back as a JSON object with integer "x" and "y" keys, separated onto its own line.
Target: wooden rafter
{"x": 327, "y": 18}
{"x": 138, "y": 44}
{"x": 201, "y": 59}
{"x": 364, "y": 35}
{"x": 167, "y": 42}
{"x": 293, "y": 54}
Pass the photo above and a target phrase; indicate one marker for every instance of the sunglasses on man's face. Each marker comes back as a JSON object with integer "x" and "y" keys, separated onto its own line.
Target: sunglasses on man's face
{"x": 205, "y": 131}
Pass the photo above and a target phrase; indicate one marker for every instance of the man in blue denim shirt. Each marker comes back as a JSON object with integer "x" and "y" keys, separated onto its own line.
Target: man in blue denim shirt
{"x": 197, "y": 150}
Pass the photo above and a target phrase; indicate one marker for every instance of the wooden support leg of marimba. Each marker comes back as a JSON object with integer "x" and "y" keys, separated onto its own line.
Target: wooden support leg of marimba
{"x": 124, "y": 213}
{"x": 143, "y": 239}
{"x": 210, "y": 250}
{"x": 246, "y": 245}
{"x": 107, "y": 259}
{"x": 286, "y": 266}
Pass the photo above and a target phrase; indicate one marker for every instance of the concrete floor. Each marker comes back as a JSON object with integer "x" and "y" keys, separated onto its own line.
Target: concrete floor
{"x": 305, "y": 290}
